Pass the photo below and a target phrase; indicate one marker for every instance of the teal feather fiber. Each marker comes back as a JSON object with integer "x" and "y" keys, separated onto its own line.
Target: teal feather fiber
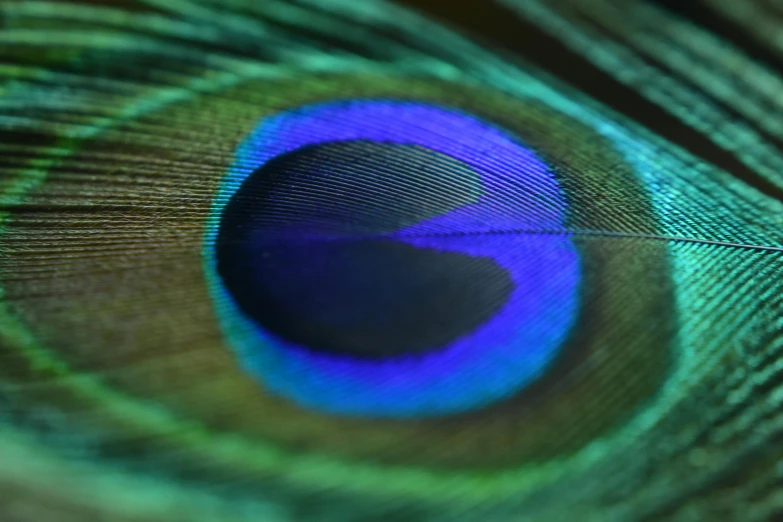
{"x": 337, "y": 261}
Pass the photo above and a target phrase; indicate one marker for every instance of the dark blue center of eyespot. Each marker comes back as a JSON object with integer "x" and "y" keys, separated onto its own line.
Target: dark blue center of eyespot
{"x": 305, "y": 249}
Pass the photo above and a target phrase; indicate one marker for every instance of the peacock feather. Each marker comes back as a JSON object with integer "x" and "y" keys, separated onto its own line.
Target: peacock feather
{"x": 363, "y": 260}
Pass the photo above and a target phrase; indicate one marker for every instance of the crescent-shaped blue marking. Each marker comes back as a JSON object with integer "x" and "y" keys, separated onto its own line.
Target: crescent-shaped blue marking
{"x": 503, "y": 355}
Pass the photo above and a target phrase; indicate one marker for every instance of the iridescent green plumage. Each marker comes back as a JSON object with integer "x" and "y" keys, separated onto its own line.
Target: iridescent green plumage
{"x": 121, "y": 398}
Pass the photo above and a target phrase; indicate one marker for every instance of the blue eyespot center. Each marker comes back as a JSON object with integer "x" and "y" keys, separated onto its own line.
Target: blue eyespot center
{"x": 392, "y": 259}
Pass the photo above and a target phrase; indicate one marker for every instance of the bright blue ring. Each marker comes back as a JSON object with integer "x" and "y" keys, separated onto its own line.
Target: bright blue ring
{"x": 497, "y": 359}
